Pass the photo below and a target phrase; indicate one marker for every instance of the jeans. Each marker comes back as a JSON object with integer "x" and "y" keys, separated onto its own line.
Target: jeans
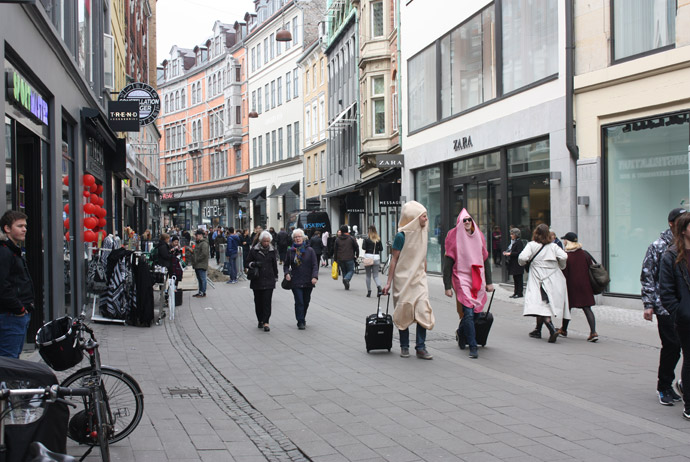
{"x": 373, "y": 270}
{"x": 201, "y": 278}
{"x": 467, "y": 327}
{"x": 302, "y": 299}
{"x": 347, "y": 267}
{"x": 232, "y": 259}
{"x": 684, "y": 337}
{"x": 405, "y": 338}
{"x": 262, "y": 304}
{"x": 518, "y": 283}
{"x": 670, "y": 352}
{"x": 12, "y": 333}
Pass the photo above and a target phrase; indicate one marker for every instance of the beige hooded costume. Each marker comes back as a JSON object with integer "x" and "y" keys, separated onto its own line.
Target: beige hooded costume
{"x": 410, "y": 291}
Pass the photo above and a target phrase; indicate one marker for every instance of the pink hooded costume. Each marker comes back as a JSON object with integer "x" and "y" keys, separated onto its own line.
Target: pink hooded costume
{"x": 468, "y": 252}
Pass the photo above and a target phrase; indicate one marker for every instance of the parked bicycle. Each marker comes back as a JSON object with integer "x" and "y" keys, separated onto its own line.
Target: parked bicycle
{"x": 115, "y": 407}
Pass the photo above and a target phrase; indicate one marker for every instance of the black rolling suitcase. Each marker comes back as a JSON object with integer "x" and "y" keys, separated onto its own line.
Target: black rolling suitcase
{"x": 379, "y": 329}
{"x": 482, "y": 326}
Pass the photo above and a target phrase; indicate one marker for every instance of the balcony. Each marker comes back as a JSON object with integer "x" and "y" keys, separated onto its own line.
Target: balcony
{"x": 194, "y": 147}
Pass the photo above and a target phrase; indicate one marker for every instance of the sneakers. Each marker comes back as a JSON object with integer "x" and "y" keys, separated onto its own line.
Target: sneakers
{"x": 346, "y": 283}
{"x": 404, "y": 352}
{"x": 261, "y": 325}
{"x": 231, "y": 281}
{"x": 679, "y": 387}
{"x": 676, "y": 397}
{"x": 665, "y": 398}
{"x": 423, "y": 354}
{"x": 535, "y": 333}
{"x": 199, "y": 295}
{"x": 686, "y": 413}
{"x": 593, "y": 337}
{"x": 474, "y": 354}
{"x": 460, "y": 339}
{"x": 301, "y": 325}
{"x": 266, "y": 328}
{"x": 562, "y": 332}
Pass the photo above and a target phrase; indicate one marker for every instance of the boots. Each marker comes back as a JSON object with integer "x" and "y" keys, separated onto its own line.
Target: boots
{"x": 368, "y": 293}
{"x": 553, "y": 333}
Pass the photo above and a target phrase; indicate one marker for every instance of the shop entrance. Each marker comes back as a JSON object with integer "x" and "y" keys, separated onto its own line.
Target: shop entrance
{"x": 481, "y": 198}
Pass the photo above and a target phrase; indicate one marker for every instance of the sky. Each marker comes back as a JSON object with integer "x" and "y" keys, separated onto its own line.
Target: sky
{"x": 187, "y": 23}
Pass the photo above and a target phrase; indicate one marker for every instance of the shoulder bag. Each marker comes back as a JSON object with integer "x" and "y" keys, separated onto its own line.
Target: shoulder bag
{"x": 533, "y": 257}
{"x": 598, "y": 276}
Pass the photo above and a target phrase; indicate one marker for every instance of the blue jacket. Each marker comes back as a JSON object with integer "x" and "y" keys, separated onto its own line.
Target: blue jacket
{"x": 233, "y": 242}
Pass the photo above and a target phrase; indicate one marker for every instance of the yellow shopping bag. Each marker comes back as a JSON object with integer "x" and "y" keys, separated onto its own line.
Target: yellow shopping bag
{"x": 334, "y": 271}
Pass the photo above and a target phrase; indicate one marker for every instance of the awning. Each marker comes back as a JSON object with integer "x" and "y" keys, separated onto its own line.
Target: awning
{"x": 341, "y": 191}
{"x": 285, "y": 187}
{"x": 340, "y": 120}
{"x": 384, "y": 177}
{"x": 218, "y": 191}
{"x": 255, "y": 193}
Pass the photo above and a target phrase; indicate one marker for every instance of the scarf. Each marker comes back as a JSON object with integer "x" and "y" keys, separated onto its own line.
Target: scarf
{"x": 468, "y": 251}
{"x": 299, "y": 250}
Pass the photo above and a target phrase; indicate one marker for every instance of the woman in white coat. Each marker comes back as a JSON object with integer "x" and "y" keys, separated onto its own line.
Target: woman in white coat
{"x": 546, "y": 296}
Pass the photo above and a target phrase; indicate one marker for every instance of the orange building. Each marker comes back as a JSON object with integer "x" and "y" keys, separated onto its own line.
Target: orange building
{"x": 204, "y": 131}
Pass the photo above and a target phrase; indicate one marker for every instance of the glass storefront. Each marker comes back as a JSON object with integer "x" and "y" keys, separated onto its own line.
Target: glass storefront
{"x": 646, "y": 164}
{"x": 428, "y": 193}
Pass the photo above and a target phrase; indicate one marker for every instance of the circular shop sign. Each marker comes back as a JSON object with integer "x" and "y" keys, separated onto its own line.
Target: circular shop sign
{"x": 149, "y": 101}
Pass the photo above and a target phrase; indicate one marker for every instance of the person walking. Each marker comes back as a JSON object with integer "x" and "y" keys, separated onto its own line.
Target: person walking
{"x": 651, "y": 300}
{"x": 514, "y": 269}
{"x": 674, "y": 286}
{"x": 496, "y": 236}
{"x": 263, "y": 256}
{"x": 324, "y": 241}
{"x": 200, "y": 257}
{"x": 467, "y": 270}
{"x": 345, "y": 251}
{"x": 317, "y": 244}
{"x": 219, "y": 240}
{"x": 407, "y": 275}
{"x": 16, "y": 286}
{"x": 246, "y": 243}
{"x": 580, "y": 293}
{"x": 233, "y": 244}
{"x": 372, "y": 251}
{"x": 301, "y": 268}
{"x": 282, "y": 242}
{"x": 547, "y": 294}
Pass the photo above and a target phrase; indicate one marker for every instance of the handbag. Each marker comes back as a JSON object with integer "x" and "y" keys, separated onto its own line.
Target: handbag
{"x": 598, "y": 276}
{"x": 253, "y": 273}
{"x": 286, "y": 284}
{"x": 334, "y": 270}
{"x": 366, "y": 261}
{"x": 530, "y": 260}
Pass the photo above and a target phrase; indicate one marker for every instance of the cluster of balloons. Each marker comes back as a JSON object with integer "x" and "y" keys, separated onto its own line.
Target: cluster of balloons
{"x": 94, "y": 222}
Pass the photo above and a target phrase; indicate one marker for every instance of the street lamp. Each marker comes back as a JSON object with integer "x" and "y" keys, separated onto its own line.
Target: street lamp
{"x": 283, "y": 35}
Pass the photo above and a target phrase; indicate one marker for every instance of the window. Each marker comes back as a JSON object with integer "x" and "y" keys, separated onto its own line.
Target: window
{"x": 323, "y": 165}
{"x": 265, "y": 50}
{"x": 323, "y": 74}
{"x": 238, "y": 74}
{"x": 177, "y": 100}
{"x": 297, "y": 153}
{"x": 422, "y": 88}
{"x": 268, "y": 96}
{"x": 308, "y": 178}
{"x": 280, "y": 91}
{"x": 287, "y": 44}
{"x": 193, "y": 93}
{"x": 254, "y": 101}
{"x": 378, "y": 106}
{"x": 166, "y": 104}
{"x": 280, "y": 144}
{"x": 268, "y": 147}
{"x": 278, "y": 45}
{"x": 238, "y": 159}
{"x": 295, "y": 77}
{"x": 238, "y": 114}
{"x": 322, "y": 115}
{"x": 258, "y": 99}
{"x": 306, "y": 82}
{"x": 260, "y": 156}
{"x": 274, "y": 141}
{"x": 288, "y": 79}
{"x": 295, "y": 38}
{"x": 289, "y": 141}
{"x": 254, "y": 152}
{"x": 307, "y": 124}
{"x": 529, "y": 57}
{"x": 272, "y": 41}
{"x": 273, "y": 94}
{"x": 258, "y": 56}
{"x": 198, "y": 92}
{"x": 211, "y": 126}
{"x": 253, "y": 59}
{"x": 313, "y": 76}
{"x": 640, "y": 26}
{"x": 314, "y": 121}
{"x": 377, "y": 19}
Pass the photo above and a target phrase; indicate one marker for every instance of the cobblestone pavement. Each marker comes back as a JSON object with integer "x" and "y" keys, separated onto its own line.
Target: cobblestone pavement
{"x": 218, "y": 388}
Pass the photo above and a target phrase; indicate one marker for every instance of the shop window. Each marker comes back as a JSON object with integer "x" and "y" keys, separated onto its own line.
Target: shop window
{"x": 641, "y": 26}
{"x": 9, "y": 177}
{"x": 646, "y": 165}
{"x": 428, "y": 193}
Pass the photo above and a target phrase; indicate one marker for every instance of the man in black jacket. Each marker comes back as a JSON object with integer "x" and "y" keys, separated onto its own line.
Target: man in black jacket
{"x": 346, "y": 251}
{"x": 16, "y": 287}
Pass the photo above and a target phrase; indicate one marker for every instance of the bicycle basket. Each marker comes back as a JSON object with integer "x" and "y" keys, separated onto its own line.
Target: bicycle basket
{"x": 57, "y": 344}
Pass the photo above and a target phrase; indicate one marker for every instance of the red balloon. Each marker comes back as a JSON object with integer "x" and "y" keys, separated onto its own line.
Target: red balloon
{"x": 101, "y": 213}
{"x": 66, "y": 208}
{"x": 93, "y": 189}
{"x": 88, "y": 223}
{"x": 102, "y": 201}
{"x": 89, "y": 236}
{"x": 88, "y": 208}
{"x": 100, "y": 189}
{"x": 67, "y": 236}
{"x": 93, "y": 199}
{"x": 66, "y": 223}
{"x": 65, "y": 180}
{"x": 87, "y": 194}
{"x": 89, "y": 180}
{"x": 101, "y": 222}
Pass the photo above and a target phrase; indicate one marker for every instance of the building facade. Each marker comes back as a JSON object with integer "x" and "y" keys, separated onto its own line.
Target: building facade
{"x": 484, "y": 127}
{"x": 201, "y": 126}
{"x": 631, "y": 90}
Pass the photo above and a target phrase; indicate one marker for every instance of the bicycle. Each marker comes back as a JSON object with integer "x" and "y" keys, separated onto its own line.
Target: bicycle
{"x": 117, "y": 401}
{"x": 23, "y": 411}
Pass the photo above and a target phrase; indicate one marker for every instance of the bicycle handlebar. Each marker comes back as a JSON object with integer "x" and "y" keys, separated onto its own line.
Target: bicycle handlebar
{"x": 52, "y": 392}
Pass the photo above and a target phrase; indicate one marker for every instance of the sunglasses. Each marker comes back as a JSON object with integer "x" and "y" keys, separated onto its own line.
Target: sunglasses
{"x": 466, "y": 220}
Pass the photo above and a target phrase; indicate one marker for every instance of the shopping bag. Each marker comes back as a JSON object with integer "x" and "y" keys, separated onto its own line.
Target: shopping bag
{"x": 334, "y": 270}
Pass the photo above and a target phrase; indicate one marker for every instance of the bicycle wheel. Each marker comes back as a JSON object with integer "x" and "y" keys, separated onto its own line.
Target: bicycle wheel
{"x": 123, "y": 398}
{"x": 103, "y": 424}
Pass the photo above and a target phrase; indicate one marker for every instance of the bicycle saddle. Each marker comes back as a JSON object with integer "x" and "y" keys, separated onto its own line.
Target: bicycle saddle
{"x": 39, "y": 453}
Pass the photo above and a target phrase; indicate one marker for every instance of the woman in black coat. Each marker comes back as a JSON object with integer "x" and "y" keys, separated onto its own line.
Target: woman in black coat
{"x": 674, "y": 288}
{"x": 301, "y": 267}
{"x": 317, "y": 244}
{"x": 263, "y": 259}
{"x": 514, "y": 269}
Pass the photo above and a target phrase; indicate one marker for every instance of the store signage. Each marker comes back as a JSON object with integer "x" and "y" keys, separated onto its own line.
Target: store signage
{"x": 151, "y": 189}
{"x": 213, "y": 211}
{"x": 462, "y": 143}
{"x": 148, "y": 99}
{"x": 25, "y": 97}
{"x": 171, "y": 209}
{"x": 390, "y": 161}
{"x": 123, "y": 116}
{"x": 354, "y": 203}
{"x": 95, "y": 161}
{"x": 389, "y": 195}
{"x": 167, "y": 196}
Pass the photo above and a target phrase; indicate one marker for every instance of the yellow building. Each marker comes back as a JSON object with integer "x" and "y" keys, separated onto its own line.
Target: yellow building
{"x": 117, "y": 27}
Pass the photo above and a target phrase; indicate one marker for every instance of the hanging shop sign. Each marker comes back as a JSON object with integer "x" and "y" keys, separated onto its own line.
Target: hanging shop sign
{"x": 213, "y": 211}
{"x": 390, "y": 161}
{"x": 389, "y": 195}
{"x": 148, "y": 99}
{"x": 354, "y": 203}
{"x": 95, "y": 162}
{"x": 123, "y": 116}
{"x": 22, "y": 95}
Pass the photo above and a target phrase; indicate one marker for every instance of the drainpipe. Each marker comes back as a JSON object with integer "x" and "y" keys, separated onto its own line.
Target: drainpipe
{"x": 569, "y": 97}
{"x": 399, "y": 82}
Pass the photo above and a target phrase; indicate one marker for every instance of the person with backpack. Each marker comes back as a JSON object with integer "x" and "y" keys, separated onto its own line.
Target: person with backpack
{"x": 372, "y": 250}
{"x": 345, "y": 251}
{"x": 282, "y": 241}
{"x": 231, "y": 250}
{"x": 317, "y": 244}
{"x": 16, "y": 286}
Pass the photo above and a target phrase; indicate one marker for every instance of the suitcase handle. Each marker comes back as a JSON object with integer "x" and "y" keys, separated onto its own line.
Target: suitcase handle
{"x": 491, "y": 300}
{"x": 388, "y": 303}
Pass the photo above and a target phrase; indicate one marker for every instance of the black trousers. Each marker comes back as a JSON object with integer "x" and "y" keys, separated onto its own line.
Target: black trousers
{"x": 518, "y": 283}
{"x": 262, "y": 304}
{"x": 670, "y": 352}
{"x": 684, "y": 337}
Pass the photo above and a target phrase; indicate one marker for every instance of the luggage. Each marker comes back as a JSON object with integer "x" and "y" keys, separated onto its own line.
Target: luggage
{"x": 379, "y": 329}
{"x": 482, "y": 326}
{"x": 178, "y": 297}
